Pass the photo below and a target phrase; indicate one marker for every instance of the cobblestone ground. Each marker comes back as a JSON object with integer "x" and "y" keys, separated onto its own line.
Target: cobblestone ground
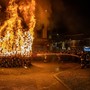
{"x": 38, "y": 77}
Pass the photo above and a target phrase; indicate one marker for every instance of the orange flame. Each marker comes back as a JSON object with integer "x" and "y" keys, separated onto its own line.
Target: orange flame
{"x": 14, "y": 39}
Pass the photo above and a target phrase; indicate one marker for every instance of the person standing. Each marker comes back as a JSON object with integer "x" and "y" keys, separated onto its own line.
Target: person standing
{"x": 87, "y": 60}
{"x": 83, "y": 60}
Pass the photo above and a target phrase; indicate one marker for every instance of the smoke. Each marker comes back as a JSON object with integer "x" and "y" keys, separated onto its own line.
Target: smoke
{"x": 43, "y": 14}
{"x": 3, "y": 4}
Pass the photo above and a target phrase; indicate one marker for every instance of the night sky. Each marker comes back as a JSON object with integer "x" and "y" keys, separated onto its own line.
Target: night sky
{"x": 67, "y": 16}
{"x": 72, "y": 16}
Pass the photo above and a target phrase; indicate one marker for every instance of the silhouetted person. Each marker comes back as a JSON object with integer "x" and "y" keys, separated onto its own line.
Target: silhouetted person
{"x": 84, "y": 60}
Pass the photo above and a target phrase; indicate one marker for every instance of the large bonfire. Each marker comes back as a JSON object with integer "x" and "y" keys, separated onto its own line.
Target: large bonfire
{"x": 17, "y": 32}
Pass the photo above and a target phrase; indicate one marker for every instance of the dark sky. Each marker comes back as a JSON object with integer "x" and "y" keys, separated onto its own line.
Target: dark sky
{"x": 68, "y": 16}
{"x": 71, "y": 16}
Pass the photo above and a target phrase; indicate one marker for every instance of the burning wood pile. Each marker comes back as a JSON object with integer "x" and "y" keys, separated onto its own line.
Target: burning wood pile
{"x": 15, "y": 61}
{"x": 17, "y": 31}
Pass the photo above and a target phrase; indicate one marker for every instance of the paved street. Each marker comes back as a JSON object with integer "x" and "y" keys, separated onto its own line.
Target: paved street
{"x": 42, "y": 76}
{"x": 39, "y": 77}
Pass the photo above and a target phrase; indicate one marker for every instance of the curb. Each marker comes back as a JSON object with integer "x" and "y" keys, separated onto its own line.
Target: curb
{"x": 55, "y": 76}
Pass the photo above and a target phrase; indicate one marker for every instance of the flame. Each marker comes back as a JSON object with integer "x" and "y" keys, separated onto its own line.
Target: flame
{"x": 14, "y": 39}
